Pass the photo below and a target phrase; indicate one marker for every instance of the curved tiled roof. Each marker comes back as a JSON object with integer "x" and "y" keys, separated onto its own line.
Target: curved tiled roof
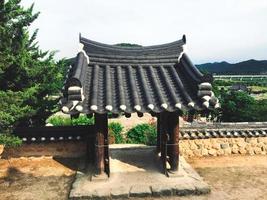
{"x": 108, "y": 78}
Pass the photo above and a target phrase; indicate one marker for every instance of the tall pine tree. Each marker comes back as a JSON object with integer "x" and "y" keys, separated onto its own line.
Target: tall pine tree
{"x": 28, "y": 75}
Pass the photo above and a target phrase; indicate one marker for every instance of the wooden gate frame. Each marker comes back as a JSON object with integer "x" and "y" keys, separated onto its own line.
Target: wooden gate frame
{"x": 102, "y": 161}
{"x": 168, "y": 141}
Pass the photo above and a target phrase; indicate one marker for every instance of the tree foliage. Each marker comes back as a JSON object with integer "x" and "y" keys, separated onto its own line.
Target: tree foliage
{"x": 10, "y": 140}
{"x": 239, "y": 106}
{"x": 142, "y": 134}
{"x": 115, "y": 130}
{"x": 28, "y": 75}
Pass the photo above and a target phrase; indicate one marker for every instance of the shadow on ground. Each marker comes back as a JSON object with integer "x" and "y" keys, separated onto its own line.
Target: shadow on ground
{"x": 130, "y": 160}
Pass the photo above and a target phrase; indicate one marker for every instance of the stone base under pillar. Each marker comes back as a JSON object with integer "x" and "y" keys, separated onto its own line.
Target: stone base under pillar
{"x": 136, "y": 172}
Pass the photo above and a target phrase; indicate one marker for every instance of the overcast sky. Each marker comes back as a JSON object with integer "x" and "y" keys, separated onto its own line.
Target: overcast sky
{"x": 216, "y": 30}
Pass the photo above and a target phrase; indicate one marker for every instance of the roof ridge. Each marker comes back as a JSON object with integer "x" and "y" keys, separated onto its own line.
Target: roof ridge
{"x": 86, "y": 41}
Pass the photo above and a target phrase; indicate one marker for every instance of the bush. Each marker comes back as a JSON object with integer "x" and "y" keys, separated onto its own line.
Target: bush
{"x": 10, "y": 140}
{"x": 142, "y": 134}
{"x": 83, "y": 120}
{"x": 115, "y": 131}
{"x": 62, "y": 121}
{"x": 59, "y": 121}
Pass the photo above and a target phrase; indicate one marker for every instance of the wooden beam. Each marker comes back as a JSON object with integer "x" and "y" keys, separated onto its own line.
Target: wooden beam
{"x": 101, "y": 131}
{"x": 173, "y": 143}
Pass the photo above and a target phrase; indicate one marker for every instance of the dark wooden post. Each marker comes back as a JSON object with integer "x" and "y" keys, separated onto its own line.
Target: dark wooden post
{"x": 106, "y": 148}
{"x": 163, "y": 141}
{"x": 173, "y": 143}
{"x": 101, "y": 130}
{"x": 158, "y": 134}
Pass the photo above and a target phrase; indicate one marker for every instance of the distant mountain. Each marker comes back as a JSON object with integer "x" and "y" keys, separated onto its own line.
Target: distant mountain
{"x": 245, "y": 67}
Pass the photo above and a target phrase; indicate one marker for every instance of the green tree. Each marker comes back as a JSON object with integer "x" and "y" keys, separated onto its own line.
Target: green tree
{"x": 238, "y": 107}
{"x": 142, "y": 134}
{"x": 28, "y": 75}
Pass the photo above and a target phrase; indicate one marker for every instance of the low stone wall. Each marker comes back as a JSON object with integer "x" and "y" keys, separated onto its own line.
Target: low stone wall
{"x": 196, "y": 140}
{"x": 223, "y": 146}
{"x": 55, "y": 149}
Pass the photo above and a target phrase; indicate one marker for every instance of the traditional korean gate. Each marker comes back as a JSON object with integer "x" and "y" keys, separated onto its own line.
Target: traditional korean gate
{"x": 160, "y": 80}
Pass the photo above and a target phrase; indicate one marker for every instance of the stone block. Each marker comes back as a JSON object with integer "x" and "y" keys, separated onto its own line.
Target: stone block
{"x": 260, "y": 144}
{"x": 119, "y": 193}
{"x": 140, "y": 191}
{"x": 228, "y": 151}
{"x": 262, "y": 139}
{"x": 191, "y": 142}
{"x": 100, "y": 177}
{"x": 193, "y": 146}
{"x": 257, "y": 150}
{"x": 251, "y": 151}
{"x": 201, "y": 188}
{"x": 222, "y": 140}
{"x": 212, "y": 152}
{"x": 264, "y": 149}
{"x": 183, "y": 189}
{"x": 242, "y": 151}
{"x": 241, "y": 144}
{"x": 102, "y": 194}
{"x": 161, "y": 190}
{"x": 207, "y": 144}
{"x": 197, "y": 152}
{"x": 235, "y": 149}
{"x": 198, "y": 141}
{"x": 189, "y": 153}
{"x": 216, "y": 146}
{"x": 224, "y": 146}
{"x": 220, "y": 152}
{"x": 252, "y": 141}
{"x": 204, "y": 152}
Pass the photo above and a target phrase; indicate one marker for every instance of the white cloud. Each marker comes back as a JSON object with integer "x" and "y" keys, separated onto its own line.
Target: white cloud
{"x": 231, "y": 30}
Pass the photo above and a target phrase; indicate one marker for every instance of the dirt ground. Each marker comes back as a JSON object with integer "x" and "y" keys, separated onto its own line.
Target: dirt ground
{"x": 36, "y": 178}
{"x": 235, "y": 177}
{"x": 231, "y": 178}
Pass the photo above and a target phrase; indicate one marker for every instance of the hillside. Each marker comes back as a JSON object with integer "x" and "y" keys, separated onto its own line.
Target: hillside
{"x": 245, "y": 67}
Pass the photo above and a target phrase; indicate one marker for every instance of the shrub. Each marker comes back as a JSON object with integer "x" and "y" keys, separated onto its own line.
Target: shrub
{"x": 142, "y": 134}
{"x": 83, "y": 120}
{"x": 62, "y": 121}
{"x": 115, "y": 131}
{"x": 10, "y": 140}
{"x": 59, "y": 121}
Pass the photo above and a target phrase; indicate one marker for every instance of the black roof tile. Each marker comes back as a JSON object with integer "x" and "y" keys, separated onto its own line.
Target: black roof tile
{"x": 135, "y": 79}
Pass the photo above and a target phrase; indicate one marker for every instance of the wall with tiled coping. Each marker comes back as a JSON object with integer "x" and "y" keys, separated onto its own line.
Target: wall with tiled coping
{"x": 56, "y": 149}
{"x": 196, "y": 140}
{"x": 223, "y": 139}
{"x": 223, "y": 146}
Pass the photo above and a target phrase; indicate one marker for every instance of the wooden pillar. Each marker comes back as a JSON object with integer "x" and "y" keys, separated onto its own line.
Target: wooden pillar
{"x": 158, "y": 134}
{"x": 101, "y": 142}
{"x": 163, "y": 141}
{"x": 106, "y": 149}
{"x": 173, "y": 143}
